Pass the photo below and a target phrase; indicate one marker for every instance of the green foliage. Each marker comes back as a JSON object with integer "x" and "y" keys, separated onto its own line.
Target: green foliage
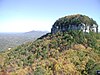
{"x": 62, "y": 53}
{"x": 89, "y": 65}
{"x": 39, "y": 71}
{"x": 75, "y": 20}
{"x": 91, "y": 39}
{"x": 94, "y": 69}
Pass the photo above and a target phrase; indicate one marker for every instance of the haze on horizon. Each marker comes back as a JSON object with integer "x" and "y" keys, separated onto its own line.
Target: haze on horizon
{"x": 28, "y": 15}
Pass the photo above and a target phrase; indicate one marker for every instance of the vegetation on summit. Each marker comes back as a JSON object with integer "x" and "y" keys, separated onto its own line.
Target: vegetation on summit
{"x": 76, "y": 19}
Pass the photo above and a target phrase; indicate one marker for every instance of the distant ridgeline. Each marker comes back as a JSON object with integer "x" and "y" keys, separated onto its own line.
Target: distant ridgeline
{"x": 75, "y": 22}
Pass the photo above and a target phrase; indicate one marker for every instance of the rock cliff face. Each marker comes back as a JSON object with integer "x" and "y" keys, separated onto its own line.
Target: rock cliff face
{"x": 75, "y": 22}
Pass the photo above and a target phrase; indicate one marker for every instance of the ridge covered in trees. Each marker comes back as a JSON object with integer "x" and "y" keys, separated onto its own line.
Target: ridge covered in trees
{"x": 63, "y": 53}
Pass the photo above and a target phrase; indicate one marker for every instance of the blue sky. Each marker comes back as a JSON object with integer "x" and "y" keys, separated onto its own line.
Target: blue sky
{"x": 27, "y": 15}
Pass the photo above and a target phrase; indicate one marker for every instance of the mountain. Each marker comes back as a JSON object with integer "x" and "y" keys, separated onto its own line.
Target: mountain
{"x": 63, "y": 53}
{"x": 75, "y": 22}
{"x": 11, "y": 40}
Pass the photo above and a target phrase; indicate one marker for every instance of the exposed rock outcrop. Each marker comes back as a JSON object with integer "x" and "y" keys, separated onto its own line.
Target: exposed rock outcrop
{"x": 75, "y": 22}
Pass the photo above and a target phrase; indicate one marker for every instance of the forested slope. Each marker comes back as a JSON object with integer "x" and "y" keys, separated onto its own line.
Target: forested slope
{"x": 68, "y": 53}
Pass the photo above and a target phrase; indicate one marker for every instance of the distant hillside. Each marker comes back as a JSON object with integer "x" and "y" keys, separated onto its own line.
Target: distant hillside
{"x": 10, "y": 40}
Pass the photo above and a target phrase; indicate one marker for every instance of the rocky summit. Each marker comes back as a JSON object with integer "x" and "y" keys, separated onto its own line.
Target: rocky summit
{"x": 68, "y": 52}
{"x": 75, "y": 22}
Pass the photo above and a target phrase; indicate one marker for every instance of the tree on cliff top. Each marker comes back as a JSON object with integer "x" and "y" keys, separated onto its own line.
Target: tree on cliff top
{"x": 75, "y": 19}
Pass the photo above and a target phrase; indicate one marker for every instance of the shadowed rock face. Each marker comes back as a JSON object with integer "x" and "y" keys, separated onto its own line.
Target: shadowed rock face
{"x": 75, "y": 22}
